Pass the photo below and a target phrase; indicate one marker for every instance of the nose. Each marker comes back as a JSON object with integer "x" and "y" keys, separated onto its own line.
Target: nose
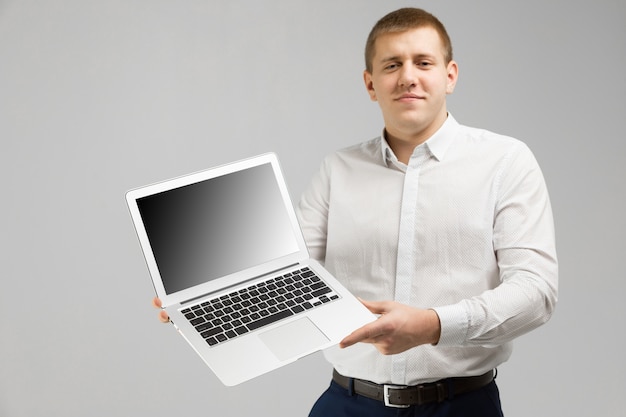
{"x": 407, "y": 76}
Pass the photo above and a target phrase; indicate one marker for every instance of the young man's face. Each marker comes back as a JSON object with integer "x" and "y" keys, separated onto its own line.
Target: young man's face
{"x": 410, "y": 80}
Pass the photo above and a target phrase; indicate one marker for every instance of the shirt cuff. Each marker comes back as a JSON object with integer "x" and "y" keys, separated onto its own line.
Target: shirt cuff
{"x": 454, "y": 324}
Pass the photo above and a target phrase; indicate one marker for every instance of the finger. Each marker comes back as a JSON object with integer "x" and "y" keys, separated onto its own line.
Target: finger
{"x": 156, "y": 302}
{"x": 365, "y": 334}
{"x": 164, "y": 317}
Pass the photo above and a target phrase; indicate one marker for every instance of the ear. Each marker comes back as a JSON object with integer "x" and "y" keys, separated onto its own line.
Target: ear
{"x": 369, "y": 85}
{"x": 453, "y": 76}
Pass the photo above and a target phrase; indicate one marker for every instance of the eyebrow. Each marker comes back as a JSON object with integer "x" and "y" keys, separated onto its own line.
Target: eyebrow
{"x": 389, "y": 59}
{"x": 398, "y": 58}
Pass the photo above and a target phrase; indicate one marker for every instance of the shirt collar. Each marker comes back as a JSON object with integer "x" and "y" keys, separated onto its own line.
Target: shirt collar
{"x": 437, "y": 145}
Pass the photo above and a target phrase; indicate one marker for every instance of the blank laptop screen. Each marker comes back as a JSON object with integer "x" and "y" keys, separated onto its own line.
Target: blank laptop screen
{"x": 217, "y": 227}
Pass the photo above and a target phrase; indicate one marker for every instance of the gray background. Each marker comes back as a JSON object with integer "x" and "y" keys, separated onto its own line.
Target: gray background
{"x": 97, "y": 97}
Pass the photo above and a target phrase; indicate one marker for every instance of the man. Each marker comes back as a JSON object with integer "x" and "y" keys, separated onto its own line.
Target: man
{"x": 451, "y": 225}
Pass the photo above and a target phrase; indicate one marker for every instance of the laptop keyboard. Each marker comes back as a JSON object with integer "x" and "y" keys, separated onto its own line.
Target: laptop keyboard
{"x": 235, "y": 314}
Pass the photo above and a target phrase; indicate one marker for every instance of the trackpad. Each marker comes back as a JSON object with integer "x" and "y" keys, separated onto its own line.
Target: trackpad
{"x": 293, "y": 339}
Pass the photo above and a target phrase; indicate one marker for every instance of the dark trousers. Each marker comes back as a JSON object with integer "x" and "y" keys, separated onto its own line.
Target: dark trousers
{"x": 339, "y": 402}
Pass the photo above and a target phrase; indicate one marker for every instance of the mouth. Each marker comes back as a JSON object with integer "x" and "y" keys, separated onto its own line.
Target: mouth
{"x": 409, "y": 97}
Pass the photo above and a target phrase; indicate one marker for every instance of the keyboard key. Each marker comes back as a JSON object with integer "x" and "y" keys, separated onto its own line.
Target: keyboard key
{"x": 204, "y": 326}
{"x": 321, "y": 291}
{"x": 212, "y": 332}
{"x": 317, "y": 285}
{"x": 197, "y": 320}
{"x": 269, "y": 319}
{"x": 241, "y": 330}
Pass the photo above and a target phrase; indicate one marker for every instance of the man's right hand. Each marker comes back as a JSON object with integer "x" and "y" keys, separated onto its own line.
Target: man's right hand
{"x": 163, "y": 317}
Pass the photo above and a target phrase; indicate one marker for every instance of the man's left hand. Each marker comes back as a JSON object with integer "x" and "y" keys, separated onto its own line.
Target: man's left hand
{"x": 399, "y": 328}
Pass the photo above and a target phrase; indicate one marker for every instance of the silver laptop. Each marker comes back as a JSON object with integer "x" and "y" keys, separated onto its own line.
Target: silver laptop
{"x": 229, "y": 262}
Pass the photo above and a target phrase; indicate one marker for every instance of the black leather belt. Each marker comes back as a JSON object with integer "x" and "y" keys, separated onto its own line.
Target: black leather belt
{"x": 403, "y": 396}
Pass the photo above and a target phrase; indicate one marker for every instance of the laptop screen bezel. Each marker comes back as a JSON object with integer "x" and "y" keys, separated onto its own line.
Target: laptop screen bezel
{"x": 233, "y": 279}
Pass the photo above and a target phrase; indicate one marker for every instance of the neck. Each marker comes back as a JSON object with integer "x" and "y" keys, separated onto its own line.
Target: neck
{"x": 404, "y": 143}
{"x": 402, "y": 149}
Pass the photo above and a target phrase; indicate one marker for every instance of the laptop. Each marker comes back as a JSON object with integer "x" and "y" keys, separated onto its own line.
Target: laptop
{"x": 229, "y": 262}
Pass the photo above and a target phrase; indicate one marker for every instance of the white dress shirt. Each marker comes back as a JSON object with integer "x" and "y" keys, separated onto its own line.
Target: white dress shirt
{"x": 465, "y": 228}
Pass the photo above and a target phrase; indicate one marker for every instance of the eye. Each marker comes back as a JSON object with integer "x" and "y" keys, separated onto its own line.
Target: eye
{"x": 391, "y": 66}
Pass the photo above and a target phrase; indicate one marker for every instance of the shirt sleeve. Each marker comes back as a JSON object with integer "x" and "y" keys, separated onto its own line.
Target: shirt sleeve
{"x": 312, "y": 212}
{"x": 524, "y": 243}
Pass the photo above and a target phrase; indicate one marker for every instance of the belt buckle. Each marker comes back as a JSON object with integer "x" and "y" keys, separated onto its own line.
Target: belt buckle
{"x": 386, "y": 389}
